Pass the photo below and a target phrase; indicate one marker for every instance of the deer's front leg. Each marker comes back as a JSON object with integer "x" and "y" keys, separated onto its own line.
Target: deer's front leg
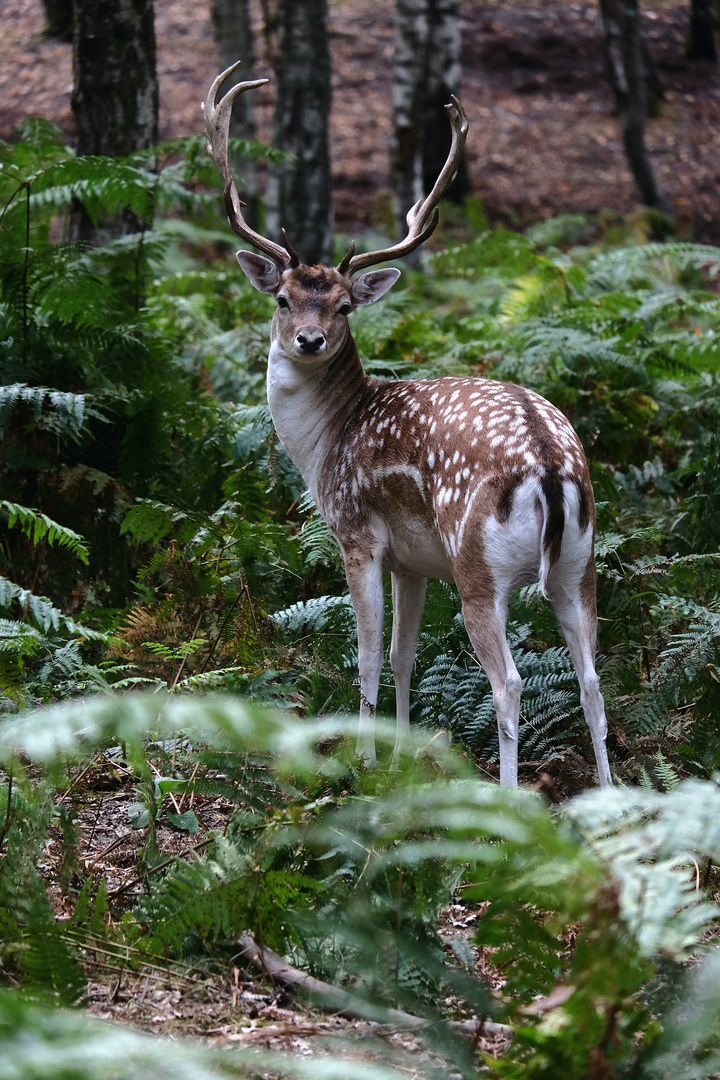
{"x": 408, "y": 601}
{"x": 364, "y": 578}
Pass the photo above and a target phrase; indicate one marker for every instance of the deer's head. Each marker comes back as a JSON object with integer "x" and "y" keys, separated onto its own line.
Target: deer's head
{"x": 313, "y": 302}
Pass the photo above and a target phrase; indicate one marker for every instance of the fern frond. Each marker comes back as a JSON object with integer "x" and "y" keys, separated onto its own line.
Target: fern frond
{"x": 68, "y": 414}
{"x": 44, "y": 612}
{"x": 37, "y": 527}
{"x": 149, "y": 521}
{"x": 311, "y": 615}
{"x": 19, "y": 638}
{"x": 629, "y": 267}
{"x": 318, "y": 544}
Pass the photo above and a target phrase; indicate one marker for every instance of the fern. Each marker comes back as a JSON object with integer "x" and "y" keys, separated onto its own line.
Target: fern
{"x": 455, "y": 691}
{"x": 149, "y": 522}
{"x": 318, "y": 544}
{"x": 312, "y": 615}
{"x": 37, "y": 527}
{"x": 323, "y": 877}
{"x": 689, "y": 659}
{"x": 42, "y": 610}
{"x": 629, "y": 267}
{"x": 68, "y": 414}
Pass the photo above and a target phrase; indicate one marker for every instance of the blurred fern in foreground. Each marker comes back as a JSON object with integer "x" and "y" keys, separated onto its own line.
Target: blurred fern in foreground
{"x": 587, "y": 906}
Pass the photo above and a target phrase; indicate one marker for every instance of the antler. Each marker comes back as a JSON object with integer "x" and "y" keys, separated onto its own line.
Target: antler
{"x": 217, "y": 131}
{"x": 423, "y": 216}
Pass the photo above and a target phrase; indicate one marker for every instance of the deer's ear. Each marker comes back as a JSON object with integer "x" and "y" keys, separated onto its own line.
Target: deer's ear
{"x": 263, "y": 273}
{"x": 370, "y": 287}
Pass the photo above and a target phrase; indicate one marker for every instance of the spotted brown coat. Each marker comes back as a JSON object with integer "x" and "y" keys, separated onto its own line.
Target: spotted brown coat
{"x": 478, "y": 482}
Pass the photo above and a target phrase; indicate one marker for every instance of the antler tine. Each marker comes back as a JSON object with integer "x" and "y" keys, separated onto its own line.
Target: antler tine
{"x": 342, "y": 267}
{"x": 294, "y": 257}
{"x": 217, "y": 132}
{"x": 423, "y": 217}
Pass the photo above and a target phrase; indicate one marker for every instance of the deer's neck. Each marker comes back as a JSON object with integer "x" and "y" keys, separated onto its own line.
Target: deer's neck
{"x": 310, "y": 402}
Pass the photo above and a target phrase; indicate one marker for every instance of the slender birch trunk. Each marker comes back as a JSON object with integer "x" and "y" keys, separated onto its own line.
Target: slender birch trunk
{"x": 299, "y": 199}
{"x": 637, "y": 111}
{"x": 427, "y": 72}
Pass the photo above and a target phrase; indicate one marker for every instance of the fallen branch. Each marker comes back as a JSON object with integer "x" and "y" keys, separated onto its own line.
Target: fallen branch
{"x": 333, "y": 999}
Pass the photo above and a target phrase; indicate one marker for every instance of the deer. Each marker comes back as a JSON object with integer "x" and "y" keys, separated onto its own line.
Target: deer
{"x": 466, "y": 479}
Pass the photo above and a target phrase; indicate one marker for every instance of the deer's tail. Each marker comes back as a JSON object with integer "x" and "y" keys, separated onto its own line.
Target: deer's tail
{"x": 552, "y": 505}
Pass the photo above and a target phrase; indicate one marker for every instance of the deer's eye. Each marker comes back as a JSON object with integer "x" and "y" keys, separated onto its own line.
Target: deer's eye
{"x": 345, "y": 309}
{"x": 282, "y": 302}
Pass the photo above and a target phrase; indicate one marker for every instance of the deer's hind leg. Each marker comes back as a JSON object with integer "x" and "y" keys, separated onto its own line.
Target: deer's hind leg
{"x": 485, "y": 614}
{"x": 572, "y": 593}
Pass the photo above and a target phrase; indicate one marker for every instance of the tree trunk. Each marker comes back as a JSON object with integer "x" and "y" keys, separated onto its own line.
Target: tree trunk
{"x": 234, "y": 41}
{"x": 613, "y": 21}
{"x": 299, "y": 199}
{"x": 614, "y": 16}
{"x": 115, "y": 92}
{"x": 427, "y": 71}
{"x": 704, "y": 30}
{"x": 634, "y": 133}
{"x": 443, "y": 80}
{"x": 59, "y": 19}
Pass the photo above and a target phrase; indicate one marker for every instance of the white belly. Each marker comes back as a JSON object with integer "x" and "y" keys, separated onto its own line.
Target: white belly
{"x": 414, "y": 548}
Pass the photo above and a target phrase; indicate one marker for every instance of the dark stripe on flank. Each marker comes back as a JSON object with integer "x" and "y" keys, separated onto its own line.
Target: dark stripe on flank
{"x": 583, "y": 506}
{"x": 552, "y": 488}
{"x": 505, "y": 502}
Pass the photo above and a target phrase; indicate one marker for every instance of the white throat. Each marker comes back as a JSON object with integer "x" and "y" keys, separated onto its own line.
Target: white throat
{"x": 300, "y": 416}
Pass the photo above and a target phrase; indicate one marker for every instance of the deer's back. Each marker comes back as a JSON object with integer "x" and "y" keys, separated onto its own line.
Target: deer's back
{"x": 432, "y": 465}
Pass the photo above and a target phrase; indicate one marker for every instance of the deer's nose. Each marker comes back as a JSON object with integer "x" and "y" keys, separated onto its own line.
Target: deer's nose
{"x": 310, "y": 339}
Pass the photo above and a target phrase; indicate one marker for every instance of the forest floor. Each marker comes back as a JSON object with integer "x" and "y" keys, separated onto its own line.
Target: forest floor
{"x": 543, "y": 137}
{"x": 222, "y": 1003}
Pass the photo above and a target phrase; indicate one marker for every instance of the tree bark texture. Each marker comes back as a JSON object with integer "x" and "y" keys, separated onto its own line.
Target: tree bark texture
{"x": 234, "y": 41}
{"x": 614, "y": 15}
{"x": 427, "y": 72}
{"x": 59, "y": 19}
{"x": 703, "y": 41}
{"x": 634, "y": 132}
{"x": 115, "y": 91}
{"x": 299, "y": 199}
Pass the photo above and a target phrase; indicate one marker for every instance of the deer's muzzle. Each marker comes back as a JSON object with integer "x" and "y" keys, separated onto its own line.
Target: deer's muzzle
{"x": 310, "y": 339}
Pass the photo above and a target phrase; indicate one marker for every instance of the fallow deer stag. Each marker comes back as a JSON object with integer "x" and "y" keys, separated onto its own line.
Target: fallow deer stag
{"x": 473, "y": 481}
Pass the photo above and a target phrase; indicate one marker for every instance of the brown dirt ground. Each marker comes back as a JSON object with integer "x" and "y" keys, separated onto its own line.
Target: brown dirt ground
{"x": 224, "y": 1006}
{"x": 543, "y": 137}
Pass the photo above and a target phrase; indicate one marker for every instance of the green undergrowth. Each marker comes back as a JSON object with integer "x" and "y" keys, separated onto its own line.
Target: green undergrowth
{"x": 589, "y": 911}
{"x": 154, "y": 536}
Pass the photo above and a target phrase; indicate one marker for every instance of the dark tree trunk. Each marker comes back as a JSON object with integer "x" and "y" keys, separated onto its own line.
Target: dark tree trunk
{"x": 299, "y": 199}
{"x": 704, "y": 30}
{"x": 59, "y": 19}
{"x": 634, "y": 133}
{"x": 613, "y": 24}
{"x": 234, "y": 41}
{"x": 427, "y": 72}
{"x": 115, "y": 92}
{"x": 614, "y": 15}
{"x": 443, "y": 80}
